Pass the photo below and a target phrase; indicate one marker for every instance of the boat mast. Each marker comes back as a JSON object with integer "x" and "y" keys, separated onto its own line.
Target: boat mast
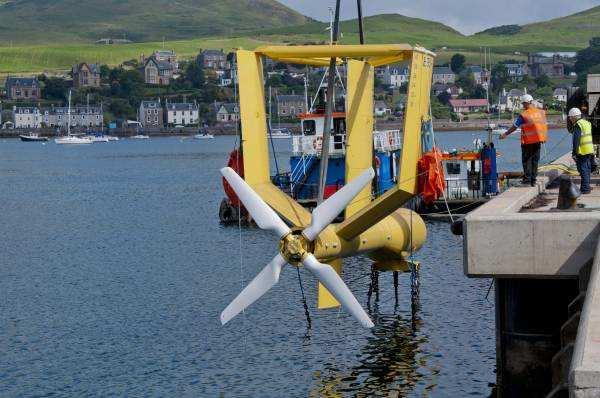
{"x": 69, "y": 115}
{"x": 329, "y": 109}
{"x": 270, "y": 110}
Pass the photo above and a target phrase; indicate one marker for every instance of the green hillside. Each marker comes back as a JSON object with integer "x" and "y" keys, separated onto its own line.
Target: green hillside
{"x": 572, "y": 32}
{"x": 48, "y": 40}
{"x": 51, "y": 21}
{"x": 384, "y": 28}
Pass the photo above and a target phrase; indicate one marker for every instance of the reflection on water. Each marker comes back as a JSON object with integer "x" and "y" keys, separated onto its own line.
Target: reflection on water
{"x": 390, "y": 362}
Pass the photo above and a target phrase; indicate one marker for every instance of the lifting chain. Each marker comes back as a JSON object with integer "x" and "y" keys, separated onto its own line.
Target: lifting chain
{"x": 306, "y": 312}
{"x": 415, "y": 286}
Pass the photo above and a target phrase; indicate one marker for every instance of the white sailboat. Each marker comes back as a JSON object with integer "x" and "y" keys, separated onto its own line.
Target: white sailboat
{"x": 71, "y": 139}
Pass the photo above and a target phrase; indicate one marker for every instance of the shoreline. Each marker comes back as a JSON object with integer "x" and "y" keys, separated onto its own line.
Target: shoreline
{"x": 438, "y": 125}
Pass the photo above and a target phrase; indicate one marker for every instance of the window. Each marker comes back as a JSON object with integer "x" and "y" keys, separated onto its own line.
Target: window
{"x": 309, "y": 127}
{"x": 339, "y": 126}
{"x": 453, "y": 168}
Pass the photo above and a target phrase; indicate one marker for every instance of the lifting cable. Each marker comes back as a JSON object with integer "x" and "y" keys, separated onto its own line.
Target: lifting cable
{"x": 306, "y": 312}
{"x": 238, "y": 144}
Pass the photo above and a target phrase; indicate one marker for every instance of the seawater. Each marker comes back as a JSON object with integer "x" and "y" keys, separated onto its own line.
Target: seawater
{"x": 114, "y": 269}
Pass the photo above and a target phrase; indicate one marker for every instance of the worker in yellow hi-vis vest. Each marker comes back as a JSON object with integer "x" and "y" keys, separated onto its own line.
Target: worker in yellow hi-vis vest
{"x": 583, "y": 148}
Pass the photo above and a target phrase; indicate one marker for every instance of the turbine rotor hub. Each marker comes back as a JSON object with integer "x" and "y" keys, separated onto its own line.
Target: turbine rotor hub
{"x": 294, "y": 246}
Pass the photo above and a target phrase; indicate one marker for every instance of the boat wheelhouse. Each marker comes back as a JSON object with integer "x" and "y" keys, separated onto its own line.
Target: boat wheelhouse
{"x": 306, "y": 156}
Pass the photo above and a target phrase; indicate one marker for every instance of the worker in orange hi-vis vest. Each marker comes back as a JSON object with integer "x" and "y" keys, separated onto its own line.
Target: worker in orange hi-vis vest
{"x": 534, "y": 132}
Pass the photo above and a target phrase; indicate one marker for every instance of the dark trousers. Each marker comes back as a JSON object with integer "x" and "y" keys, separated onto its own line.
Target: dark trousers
{"x": 530, "y": 156}
{"x": 584, "y": 167}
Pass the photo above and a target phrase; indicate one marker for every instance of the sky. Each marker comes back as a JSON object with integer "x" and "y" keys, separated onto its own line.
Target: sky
{"x": 466, "y": 16}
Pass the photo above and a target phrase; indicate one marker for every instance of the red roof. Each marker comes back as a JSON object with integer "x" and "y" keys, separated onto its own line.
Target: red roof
{"x": 460, "y": 103}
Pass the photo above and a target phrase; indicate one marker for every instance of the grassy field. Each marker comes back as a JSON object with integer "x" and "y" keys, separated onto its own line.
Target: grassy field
{"x": 53, "y": 59}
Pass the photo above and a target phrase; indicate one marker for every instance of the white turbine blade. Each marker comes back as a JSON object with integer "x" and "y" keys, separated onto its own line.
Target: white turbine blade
{"x": 336, "y": 286}
{"x": 262, "y": 214}
{"x": 327, "y": 211}
{"x": 265, "y": 280}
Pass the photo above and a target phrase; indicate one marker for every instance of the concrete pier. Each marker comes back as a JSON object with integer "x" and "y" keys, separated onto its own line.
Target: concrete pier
{"x": 547, "y": 314}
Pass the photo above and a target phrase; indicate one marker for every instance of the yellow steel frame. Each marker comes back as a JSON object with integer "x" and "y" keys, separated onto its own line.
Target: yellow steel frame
{"x": 416, "y": 111}
{"x": 378, "y": 227}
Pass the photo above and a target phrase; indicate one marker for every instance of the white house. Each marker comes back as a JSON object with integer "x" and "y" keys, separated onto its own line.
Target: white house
{"x": 560, "y": 94}
{"x": 511, "y": 100}
{"x": 396, "y": 76}
{"x": 227, "y": 112}
{"x": 27, "y": 118}
{"x": 382, "y": 109}
{"x": 443, "y": 74}
{"x": 516, "y": 71}
{"x": 184, "y": 114}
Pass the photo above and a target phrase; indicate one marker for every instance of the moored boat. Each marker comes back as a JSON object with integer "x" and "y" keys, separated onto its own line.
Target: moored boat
{"x": 32, "y": 137}
{"x": 204, "y": 136}
{"x": 280, "y": 133}
{"x": 72, "y": 139}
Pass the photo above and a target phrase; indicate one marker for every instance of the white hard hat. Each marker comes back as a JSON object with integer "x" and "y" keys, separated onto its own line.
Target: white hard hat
{"x": 574, "y": 112}
{"x": 526, "y": 99}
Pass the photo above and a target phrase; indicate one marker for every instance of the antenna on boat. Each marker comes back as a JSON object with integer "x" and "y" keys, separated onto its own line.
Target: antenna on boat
{"x": 486, "y": 57}
{"x": 329, "y": 109}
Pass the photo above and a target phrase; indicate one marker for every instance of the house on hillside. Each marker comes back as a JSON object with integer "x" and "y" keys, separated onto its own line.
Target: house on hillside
{"x": 443, "y": 74}
{"x": 439, "y": 88}
{"x": 182, "y": 113}
{"x": 513, "y": 99}
{"x": 516, "y": 71}
{"x": 228, "y": 112}
{"x": 480, "y": 75}
{"x": 213, "y": 59}
{"x": 540, "y": 65}
{"x": 86, "y": 75}
{"x": 290, "y": 105}
{"x": 168, "y": 56}
{"x": 452, "y": 89}
{"x": 26, "y": 118}
{"x": 468, "y": 105}
{"x": 560, "y": 94}
{"x": 381, "y": 109}
{"x": 395, "y": 76}
{"x": 23, "y": 88}
{"x": 81, "y": 116}
{"x": 157, "y": 72}
{"x": 150, "y": 114}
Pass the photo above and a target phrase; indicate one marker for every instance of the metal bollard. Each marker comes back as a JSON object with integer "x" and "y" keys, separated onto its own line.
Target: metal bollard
{"x": 567, "y": 194}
